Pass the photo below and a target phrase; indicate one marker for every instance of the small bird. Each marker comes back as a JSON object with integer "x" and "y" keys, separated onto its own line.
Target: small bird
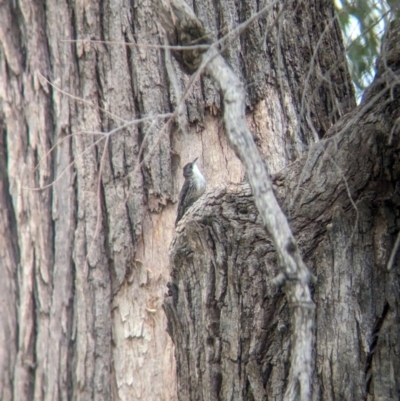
{"x": 193, "y": 187}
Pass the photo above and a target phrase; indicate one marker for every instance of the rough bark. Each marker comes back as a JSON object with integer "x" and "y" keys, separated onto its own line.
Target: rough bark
{"x": 85, "y": 261}
{"x": 345, "y": 218}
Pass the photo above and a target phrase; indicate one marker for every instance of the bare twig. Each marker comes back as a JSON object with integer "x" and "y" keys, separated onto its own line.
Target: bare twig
{"x": 104, "y": 135}
{"x": 78, "y": 99}
{"x": 133, "y": 44}
{"x": 394, "y": 251}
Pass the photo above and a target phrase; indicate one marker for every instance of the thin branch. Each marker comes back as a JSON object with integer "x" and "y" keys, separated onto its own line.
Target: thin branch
{"x": 104, "y": 135}
{"x": 394, "y": 251}
{"x": 143, "y": 45}
{"x": 79, "y": 99}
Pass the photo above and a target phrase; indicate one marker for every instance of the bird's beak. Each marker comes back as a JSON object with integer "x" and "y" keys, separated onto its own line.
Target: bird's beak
{"x": 194, "y": 161}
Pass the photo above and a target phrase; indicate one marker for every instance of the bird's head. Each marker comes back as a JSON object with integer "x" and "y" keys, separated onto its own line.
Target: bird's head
{"x": 188, "y": 169}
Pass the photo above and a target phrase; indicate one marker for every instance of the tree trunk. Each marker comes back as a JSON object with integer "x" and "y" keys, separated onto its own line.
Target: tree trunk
{"x": 85, "y": 229}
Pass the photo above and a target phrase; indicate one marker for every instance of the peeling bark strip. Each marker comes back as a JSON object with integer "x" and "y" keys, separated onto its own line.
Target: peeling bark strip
{"x": 182, "y": 26}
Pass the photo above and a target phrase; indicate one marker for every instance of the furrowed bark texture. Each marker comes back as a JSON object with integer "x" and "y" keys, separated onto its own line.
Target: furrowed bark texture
{"x": 346, "y": 219}
{"x": 85, "y": 262}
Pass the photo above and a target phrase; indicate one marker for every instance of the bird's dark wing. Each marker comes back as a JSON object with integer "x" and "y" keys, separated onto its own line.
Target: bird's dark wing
{"x": 185, "y": 200}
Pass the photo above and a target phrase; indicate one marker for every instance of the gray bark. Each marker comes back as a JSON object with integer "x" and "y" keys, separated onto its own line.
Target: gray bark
{"x": 85, "y": 261}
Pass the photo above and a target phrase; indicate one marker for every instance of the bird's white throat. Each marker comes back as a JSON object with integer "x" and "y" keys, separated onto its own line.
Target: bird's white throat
{"x": 198, "y": 177}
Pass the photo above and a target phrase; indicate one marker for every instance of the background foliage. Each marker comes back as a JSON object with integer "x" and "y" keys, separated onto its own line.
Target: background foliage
{"x": 363, "y": 23}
